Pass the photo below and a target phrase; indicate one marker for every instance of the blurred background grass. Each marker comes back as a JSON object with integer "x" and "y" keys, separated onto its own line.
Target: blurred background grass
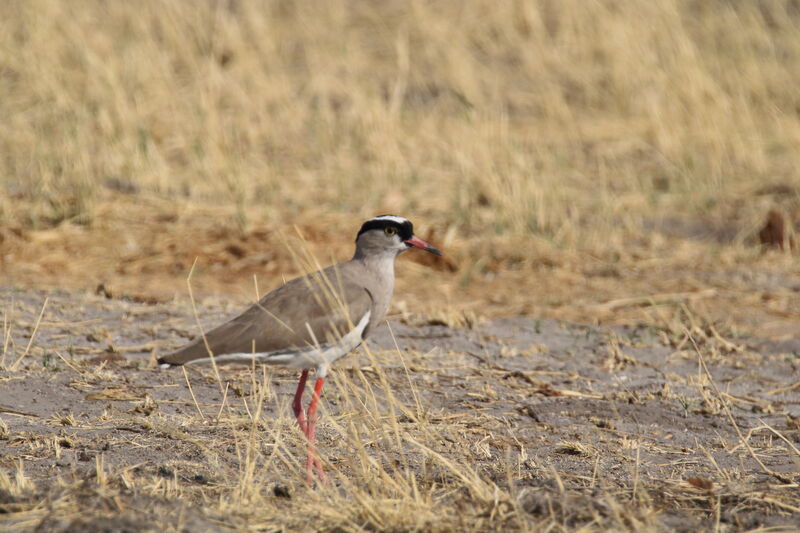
{"x": 570, "y": 125}
{"x": 501, "y": 117}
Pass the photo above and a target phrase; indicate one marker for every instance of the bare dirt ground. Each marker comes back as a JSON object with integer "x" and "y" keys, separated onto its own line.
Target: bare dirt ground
{"x": 515, "y": 423}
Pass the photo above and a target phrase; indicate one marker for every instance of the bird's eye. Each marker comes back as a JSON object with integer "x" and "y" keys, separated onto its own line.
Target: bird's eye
{"x": 390, "y": 230}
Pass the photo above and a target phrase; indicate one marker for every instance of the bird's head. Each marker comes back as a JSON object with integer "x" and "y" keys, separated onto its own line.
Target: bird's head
{"x": 387, "y": 233}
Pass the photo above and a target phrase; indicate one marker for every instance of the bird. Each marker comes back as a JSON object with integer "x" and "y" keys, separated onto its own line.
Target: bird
{"x": 312, "y": 321}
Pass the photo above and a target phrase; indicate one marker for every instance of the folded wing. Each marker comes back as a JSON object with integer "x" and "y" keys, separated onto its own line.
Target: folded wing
{"x": 318, "y": 309}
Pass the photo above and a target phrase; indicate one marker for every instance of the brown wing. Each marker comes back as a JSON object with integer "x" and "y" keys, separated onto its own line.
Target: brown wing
{"x": 303, "y": 312}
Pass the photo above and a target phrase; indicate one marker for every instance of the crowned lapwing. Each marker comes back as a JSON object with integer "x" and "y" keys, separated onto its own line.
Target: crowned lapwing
{"x": 312, "y": 321}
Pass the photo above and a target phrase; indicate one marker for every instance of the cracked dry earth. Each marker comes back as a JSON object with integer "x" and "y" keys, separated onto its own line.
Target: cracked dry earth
{"x": 576, "y": 422}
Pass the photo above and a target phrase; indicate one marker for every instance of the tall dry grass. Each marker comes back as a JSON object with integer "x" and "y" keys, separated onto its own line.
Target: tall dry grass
{"x": 568, "y": 120}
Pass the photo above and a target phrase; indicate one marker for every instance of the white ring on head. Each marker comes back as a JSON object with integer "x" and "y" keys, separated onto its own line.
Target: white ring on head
{"x": 393, "y": 218}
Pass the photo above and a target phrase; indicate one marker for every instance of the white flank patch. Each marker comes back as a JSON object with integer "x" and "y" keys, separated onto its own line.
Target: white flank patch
{"x": 318, "y": 357}
{"x": 393, "y": 218}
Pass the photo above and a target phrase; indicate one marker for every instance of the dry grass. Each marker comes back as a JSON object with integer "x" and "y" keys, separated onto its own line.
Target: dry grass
{"x": 568, "y": 121}
{"x": 399, "y": 458}
{"x": 590, "y": 160}
{"x": 514, "y": 439}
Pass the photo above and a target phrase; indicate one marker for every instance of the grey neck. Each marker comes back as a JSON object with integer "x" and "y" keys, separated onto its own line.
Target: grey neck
{"x": 377, "y": 261}
{"x": 380, "y": 262}
{"x": 380, "y": 280}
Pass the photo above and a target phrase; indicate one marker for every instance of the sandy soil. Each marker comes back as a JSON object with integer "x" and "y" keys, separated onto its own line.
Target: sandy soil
{"x": 583, "y": 417}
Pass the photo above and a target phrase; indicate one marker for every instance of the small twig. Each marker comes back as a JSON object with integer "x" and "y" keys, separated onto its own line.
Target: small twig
{"x": 788, "y": 388}
{"x": 73, "y": 367}
{"x": 779, "y": 435}
{"x": 188, "y": 384}
{"x": 594, "y": 471}
{"x": 247, "y": 409}
{"x": 255, "y": 284}
{"x": 147, "y": 347}
{"x": 33, "y": 335}
{"x": 712, "y": 461}
{"x": 224, "y": 399}
{"x": 782, "y": 505}
{"x": 6, "y": 337}
{"x": 636, "y": 472}
{"x": 15, "y": 412}
{"x": 200, "y": 327}
{"x": 728, "y": 345}
{"x": 653, "y": 299}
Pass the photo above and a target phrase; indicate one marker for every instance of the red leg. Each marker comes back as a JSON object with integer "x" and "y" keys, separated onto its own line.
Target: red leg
{"x": 313, "y": 461}
{"x": 297, "y": 404}
{"x": 299, "y": 413}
